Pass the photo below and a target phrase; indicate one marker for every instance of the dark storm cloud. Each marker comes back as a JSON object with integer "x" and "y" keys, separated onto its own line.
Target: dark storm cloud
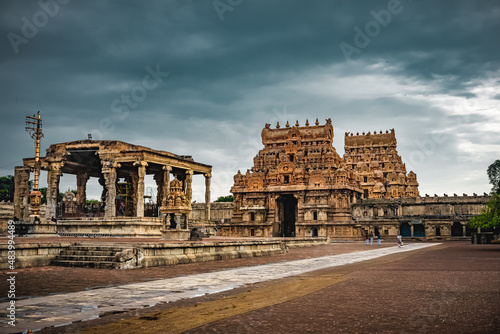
{"x": 266, "y": 61}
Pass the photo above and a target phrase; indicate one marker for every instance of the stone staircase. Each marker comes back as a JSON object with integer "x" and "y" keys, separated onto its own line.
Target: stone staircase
{"x": 99, "y": 256}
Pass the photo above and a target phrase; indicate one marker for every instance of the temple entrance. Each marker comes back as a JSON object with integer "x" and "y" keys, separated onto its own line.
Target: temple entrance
{"x": 419, "y": 230}
{"x": 287, "y": 214}
{"x": 405, "y": 230}
{"x": 457, "y": 230}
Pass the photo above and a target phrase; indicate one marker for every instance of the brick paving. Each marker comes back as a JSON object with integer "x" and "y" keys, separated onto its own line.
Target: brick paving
{"x": 451, "y": 289}
{"x": 61, "y": 309}
{"x": 41, "y": 281}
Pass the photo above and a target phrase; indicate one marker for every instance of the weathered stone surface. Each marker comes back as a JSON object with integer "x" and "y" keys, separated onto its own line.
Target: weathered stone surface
{"x": 121, "y": 169}
{"x": 299, "y": 186}
{"x": 195, "y": 235}
{"x": 380, "y": 169}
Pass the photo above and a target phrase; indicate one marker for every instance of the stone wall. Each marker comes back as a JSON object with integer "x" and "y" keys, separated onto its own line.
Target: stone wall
{"x": 32, "y": 254}
{"x": 7, "y": 213}
{"x": 118, "y": 227}
{"x": 153, "y": 254}
{"x": 440, "y": 217}
{"x": 218, "y": 211}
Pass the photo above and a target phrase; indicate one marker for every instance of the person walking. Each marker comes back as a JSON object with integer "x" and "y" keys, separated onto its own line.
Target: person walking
{"x": 367, "y": 240}
{"x": 371, "y": 238}
{"x": 379, "y": 240}
{"x": 400, "y": 240}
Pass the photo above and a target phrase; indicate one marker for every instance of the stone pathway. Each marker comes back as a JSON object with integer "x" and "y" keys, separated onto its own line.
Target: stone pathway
{"x": 59, "y": 310}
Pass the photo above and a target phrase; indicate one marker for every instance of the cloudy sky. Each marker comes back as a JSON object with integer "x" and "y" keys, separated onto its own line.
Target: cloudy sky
{"x": 203, "y": 77}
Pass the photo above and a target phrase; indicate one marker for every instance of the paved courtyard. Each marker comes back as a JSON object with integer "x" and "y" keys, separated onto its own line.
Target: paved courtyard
{"x": 41, "y": 312}
{"x": 451, "y": 287}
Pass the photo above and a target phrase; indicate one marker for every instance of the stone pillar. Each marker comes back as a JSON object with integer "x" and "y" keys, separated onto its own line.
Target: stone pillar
{"x": 158, "y": 177}
{"x": 189, "y": 181}
{"x": 21, "y": 192}
{"x": 109, "y": 173}
{"x": 53, "y": 177}
{"x": 166, "y": 184}
{"x": 464, "y": 229}
{"x": 141, "y": 171}
{"x": 81, "y": 184}
{"x": 177, "y": 219}
{"x": 166, "y": 221}
{"x": 207, "y": 196}
{"x": 411, "y": 227}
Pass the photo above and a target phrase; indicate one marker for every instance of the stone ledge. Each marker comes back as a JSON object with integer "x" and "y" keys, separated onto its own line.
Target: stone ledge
{"x": 32, "y": 255}
{"x": 164, "y": 254}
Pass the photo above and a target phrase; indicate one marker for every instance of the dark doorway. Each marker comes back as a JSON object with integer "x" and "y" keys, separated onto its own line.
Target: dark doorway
{"x": 377, "y": 232}
{"x": 315, "y": 232}
{"x": 405, "y": 230}
{"x": 172, "y": 222}
{"x": 457, "y": 230}
{"x": 419, "y": 230}
{"x": 438, "y": 231}
{"x": 287, "y": 214}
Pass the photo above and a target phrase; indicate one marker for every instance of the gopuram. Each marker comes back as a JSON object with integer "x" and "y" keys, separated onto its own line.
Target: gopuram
{"x": 120, "y": 168}
{"x": 300, "y": 186}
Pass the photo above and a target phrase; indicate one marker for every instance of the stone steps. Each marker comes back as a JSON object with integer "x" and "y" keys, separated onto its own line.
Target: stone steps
{"x": 87, "y": 264}
{"x": 94, "y": 256}
{"x": 84, "y": 257}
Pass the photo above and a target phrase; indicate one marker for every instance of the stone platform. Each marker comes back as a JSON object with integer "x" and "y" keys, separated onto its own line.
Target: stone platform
{"x": 147, "y": 252}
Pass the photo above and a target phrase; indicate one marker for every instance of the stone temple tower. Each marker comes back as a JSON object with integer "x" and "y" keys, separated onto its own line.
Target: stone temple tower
{"x": 298, "y": 186}
{"x": 381, "y": 171}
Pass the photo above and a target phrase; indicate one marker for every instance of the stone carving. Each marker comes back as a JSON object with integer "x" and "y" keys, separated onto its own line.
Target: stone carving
{"x": 298, "y": 161}
{"x": 381, "y": 171}
{"x": 176, "y": 197}
{"x": 195, "y": 235}
{"x": 299, "y": 183}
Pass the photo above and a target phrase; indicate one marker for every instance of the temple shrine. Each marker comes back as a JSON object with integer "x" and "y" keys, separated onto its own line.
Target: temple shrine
{"x": 300, "y": 186}
{"x": 120, "y": 168}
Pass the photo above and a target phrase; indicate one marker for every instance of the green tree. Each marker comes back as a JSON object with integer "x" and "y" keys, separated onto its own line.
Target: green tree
{"x": 228, "y": 198}
{"x": 494, "y": 176}
{"x": 44, "y": 195}
{"x": 490, "y": 217}
{"x": 7, "y": 188}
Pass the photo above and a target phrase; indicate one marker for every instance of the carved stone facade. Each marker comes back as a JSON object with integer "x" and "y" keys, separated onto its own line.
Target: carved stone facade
{"x": 438, "y": 217}
{"x": 381, "y": 171}
{"x": 299, "y": 186}
{"x": 121, "y": 169}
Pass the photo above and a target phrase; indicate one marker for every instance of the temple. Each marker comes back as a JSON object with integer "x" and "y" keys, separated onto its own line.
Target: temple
{"x": 300, "y": 186}
{"x": 120, "y": 168}
{"x": 380, "y": 169}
